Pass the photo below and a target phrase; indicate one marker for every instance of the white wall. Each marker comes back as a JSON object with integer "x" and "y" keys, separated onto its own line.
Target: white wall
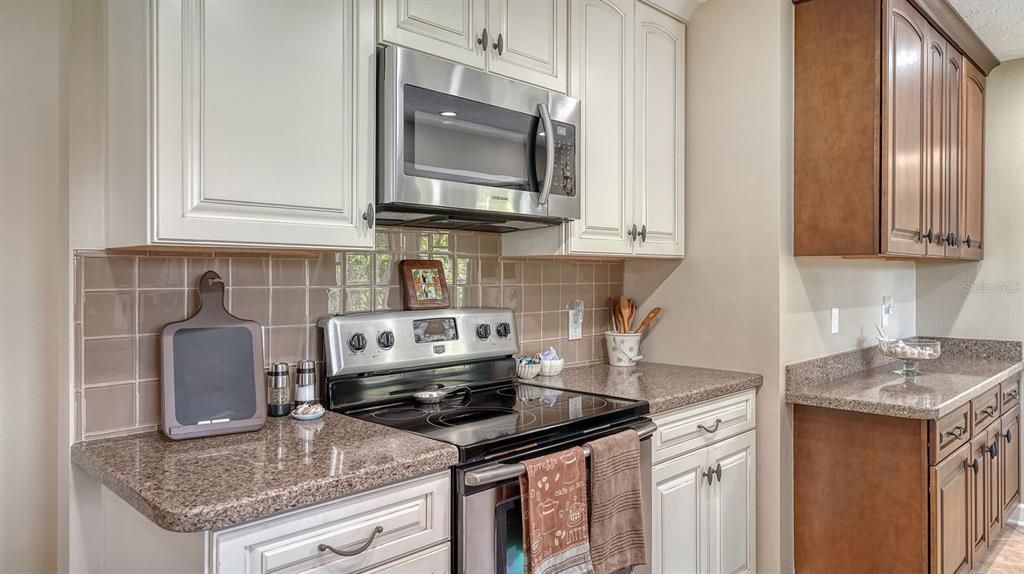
{"x": 986, "y": 299}
{"x": 722, "y": 302}
{"x": 33, "y": 278}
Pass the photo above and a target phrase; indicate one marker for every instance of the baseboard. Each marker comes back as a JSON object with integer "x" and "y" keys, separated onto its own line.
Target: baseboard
{"x": 1017, "y": 518}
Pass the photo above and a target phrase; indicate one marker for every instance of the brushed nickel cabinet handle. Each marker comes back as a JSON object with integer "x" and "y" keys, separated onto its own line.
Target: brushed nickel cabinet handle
{"x": 499, "y": 45}
{"x": 357, "y": 551}
{"x": 713, "y": 428}
{"x": 957, "y": 432}
{"x": 482, "y": 40}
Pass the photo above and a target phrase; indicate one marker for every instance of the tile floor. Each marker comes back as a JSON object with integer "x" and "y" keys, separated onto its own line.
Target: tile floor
{"x": 1007, "y": 557}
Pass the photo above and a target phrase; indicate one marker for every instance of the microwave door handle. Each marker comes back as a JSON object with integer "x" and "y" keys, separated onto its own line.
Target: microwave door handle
{"x": 549, "y": 168}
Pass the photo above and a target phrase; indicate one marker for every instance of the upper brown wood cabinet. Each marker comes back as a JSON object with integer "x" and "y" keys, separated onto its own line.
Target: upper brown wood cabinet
{"x": 889, "y": 148}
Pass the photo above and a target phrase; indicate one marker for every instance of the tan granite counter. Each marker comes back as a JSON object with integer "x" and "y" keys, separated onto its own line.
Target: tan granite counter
{"x": 215, "y": 482}
{"x": 665, "y": 387}
{"x": 864, "y": 381}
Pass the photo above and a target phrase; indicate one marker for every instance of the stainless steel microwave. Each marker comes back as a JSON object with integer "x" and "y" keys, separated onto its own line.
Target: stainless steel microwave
{"x": 459, "y": 148}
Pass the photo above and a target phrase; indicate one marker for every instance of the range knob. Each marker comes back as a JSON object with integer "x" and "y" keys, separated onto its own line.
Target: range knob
{"x": 357, "y": 342}
{"x": 386, "y": 340}
{"x": 483, "y": 331}
{"x": 504, "y": 330}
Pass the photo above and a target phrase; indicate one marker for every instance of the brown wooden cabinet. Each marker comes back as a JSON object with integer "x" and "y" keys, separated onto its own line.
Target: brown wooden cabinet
{"x": 1009, "y": 478}
{"x": 886, "y": 494}
{"x": 950, "y": 513}
{"x": 888, "y": 146}
{"x": 973, "y": 157}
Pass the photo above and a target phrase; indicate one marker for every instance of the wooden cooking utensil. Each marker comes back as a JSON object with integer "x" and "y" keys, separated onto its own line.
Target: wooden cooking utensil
{"x": 648, "y": 320}
{"x": 624, "y": 313}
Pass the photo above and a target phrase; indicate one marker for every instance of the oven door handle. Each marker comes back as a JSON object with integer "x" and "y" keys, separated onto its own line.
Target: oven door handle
{"x": 506, "y": 471}
{"x": 549, "y": 167}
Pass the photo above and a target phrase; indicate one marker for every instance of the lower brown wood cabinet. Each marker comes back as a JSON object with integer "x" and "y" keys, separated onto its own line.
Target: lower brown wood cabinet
{"x": 887, "y": 494}
{"x": 951, "y": 511}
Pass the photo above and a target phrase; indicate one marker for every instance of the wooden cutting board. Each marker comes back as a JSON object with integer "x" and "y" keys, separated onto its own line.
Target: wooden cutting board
{"x": 213, "y": 381}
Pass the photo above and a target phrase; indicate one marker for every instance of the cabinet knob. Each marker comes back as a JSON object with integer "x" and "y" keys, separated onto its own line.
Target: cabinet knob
{"x": 499, "y": 45}
{"x": 1008, "y": 435}
{"x": 993, "y": 449}
{"x": 929, "y": 235}
{"x": 632, "y": 233}
{"x": 643, "y": 232}
{"x": 369, "y": 216}
{"x": 974, "y": 464}
{"x": 968, "y": 241}
{"x": 482, "y": 40}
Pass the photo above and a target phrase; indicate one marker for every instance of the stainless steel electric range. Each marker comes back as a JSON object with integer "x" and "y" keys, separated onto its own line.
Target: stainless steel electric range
{"x": 450, "y": 375}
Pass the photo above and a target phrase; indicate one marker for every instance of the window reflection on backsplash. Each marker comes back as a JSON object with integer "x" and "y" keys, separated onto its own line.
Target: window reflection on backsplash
{"x": 122, "y": 300}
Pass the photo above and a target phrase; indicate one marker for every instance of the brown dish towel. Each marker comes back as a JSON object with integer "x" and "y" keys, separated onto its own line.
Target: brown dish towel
{"x": 617, "y": 517}
{"x": 554, "y": 499}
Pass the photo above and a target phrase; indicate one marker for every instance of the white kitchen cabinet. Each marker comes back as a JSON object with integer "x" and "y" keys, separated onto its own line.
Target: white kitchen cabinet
{"x": 414, "y": 517}
{"x": 627, "y": 67}
{"x": 658, "y": 142}
{"x": 731, "y": 520}
{"x": 680, "y": 514}
{"x": 703, "y": 508}
{"x": 240, "y": 123}
{"x": 521, "y": 39}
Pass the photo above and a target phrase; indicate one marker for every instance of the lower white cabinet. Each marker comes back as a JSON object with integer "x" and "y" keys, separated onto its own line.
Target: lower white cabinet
{"x": 703, "y": 512}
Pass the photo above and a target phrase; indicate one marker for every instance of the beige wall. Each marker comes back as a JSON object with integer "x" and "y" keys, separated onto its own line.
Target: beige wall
{"x": 722, "y": 302}
{"x": 986, "y": 299}
{"x": 33, "y": 279}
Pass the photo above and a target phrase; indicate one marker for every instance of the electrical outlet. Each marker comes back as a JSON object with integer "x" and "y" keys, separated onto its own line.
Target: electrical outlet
{"x": 576, "y": 321}
{"x": 835, "y": 320}
{"x": 887, "y": 309}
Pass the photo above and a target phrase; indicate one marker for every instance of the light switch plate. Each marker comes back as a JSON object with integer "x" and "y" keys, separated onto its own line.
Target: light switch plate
{"x": 835, "y": 320}
{"x": 576, "y": 321}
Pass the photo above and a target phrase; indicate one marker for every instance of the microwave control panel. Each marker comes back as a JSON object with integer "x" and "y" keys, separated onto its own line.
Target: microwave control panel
{"x": 565, "y": 160}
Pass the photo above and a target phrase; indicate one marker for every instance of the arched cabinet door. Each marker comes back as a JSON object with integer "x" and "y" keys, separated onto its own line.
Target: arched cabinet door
{"x": 972, "y": 150}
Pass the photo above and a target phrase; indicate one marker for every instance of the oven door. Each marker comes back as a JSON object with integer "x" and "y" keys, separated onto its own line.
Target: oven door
{"x": 490, "y": 523}
{"x": 454, "y": 138}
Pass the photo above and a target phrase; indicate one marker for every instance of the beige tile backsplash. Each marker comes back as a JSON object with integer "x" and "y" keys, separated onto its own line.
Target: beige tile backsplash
{"x": 124, "y": 300}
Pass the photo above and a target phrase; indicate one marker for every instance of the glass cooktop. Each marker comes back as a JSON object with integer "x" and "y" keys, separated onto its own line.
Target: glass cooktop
{"x": 481, "y": 419}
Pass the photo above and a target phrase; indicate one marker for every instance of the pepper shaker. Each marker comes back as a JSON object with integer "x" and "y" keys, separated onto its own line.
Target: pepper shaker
{"x": 279, "y": 402}
{"x": 305, "y": 383}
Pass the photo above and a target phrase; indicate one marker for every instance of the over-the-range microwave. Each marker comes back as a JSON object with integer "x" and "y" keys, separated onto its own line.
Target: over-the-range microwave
{"x": 459, "y": 148}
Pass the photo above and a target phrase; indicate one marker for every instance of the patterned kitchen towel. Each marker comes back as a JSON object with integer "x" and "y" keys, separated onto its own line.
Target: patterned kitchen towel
{"x": 554, "y": 499}
{"x": 617, "y": 516}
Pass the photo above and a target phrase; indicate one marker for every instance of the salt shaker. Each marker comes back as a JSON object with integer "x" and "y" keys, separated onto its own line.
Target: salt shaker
{"x": 305, "y": 383}
{"x": 279, "y": 402}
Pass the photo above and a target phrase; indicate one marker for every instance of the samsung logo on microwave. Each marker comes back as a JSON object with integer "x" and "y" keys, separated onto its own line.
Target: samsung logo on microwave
{"x": 499, "y": 198}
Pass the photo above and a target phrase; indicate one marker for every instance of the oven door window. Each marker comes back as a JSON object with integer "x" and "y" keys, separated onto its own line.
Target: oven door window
{"x": 454, "y": 139}
{"x": 511, "y": 554}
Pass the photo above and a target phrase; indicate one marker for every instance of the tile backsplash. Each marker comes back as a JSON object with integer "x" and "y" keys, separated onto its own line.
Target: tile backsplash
{"x": 122, "y": 300}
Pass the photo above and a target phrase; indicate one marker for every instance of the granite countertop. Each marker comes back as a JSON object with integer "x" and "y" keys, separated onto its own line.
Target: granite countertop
{"x": 864, "y": 381}
{"x": 665, "y": 387}
{"x": 215, "y": 482}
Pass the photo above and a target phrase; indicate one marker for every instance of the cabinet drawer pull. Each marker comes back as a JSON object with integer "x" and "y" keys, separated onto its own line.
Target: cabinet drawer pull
{"x": 357, "y": 551}
{"x": 957, "y": 432}
{"x": 1012, "y": 393}
{"x": 987, "y": 411}
{"x": 974, "y": 464}
{"x": 713, "y": 428}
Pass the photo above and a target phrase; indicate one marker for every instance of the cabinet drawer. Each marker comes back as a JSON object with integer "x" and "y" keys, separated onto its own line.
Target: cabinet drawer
{"x": 984, "y": 409}
{"x": 412, "y": 515}
{"x": 1010, "y": 393}
{"x": 682, "y": 430}
{"x": 949, "y": 433}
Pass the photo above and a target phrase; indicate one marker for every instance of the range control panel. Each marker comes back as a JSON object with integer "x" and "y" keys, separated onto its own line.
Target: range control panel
{"x": 381, "y": 342}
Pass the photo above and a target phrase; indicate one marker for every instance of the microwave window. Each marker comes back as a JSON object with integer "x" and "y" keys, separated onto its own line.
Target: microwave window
{"x": 455, "y": 139}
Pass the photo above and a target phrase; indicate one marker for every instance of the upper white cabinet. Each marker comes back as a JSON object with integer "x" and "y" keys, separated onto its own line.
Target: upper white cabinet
{"x": 627, "y": 67}
{"x": 520, "y": 39}
{"x": 240, "y": 123}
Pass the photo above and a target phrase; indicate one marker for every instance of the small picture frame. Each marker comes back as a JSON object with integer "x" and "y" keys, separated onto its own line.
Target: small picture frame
{"x": 423, "y": 284}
